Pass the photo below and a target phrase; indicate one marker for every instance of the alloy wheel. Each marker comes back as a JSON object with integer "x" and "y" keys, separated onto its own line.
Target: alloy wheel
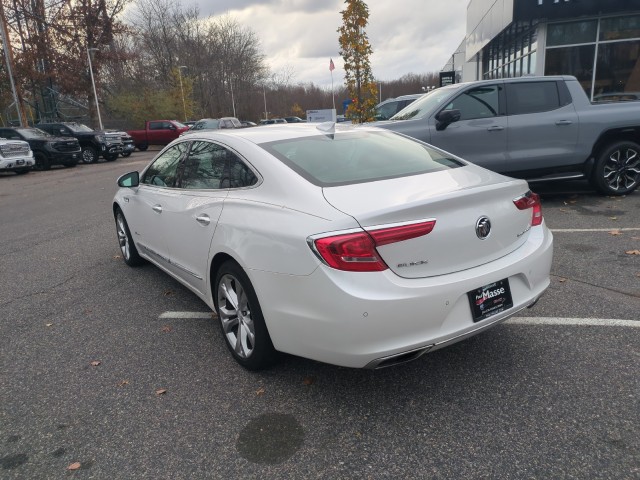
{"x": 235, "y": 315}
{"x": 123, "y": 238}
{"x": 622, "y": 169}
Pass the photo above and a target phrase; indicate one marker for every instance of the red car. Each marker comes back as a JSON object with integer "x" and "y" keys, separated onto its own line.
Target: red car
{"x": 157, "y": 132}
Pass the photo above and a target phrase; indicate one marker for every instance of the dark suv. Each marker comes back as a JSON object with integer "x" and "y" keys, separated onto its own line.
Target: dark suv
{"x": 94, "y": 143}
{"x": 47, "y": 149}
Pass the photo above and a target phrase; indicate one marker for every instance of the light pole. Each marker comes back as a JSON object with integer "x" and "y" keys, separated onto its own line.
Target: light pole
{"x": 184, "y": 107}
{"x": 93, "y": 83}
{"x": 264, "y": 95}
{"x": 233, "y": 102}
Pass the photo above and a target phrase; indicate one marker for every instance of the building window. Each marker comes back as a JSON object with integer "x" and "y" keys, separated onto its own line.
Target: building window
{"x": 618, "y": 71}
{"x": 572, "y": 33}
{"x": 571, "y": 50}
{"x": 576, "y": 61}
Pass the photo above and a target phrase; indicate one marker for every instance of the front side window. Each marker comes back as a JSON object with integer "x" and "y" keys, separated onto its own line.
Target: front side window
{"x": 480, "y": 102}
{"x": 10, "y": 135}
{"x": 163, "y": 171}
{"x": 532, "y": 97}
{"x": 357, "y": 157}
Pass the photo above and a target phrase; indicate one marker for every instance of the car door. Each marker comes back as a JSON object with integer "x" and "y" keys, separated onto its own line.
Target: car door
{"x": 543, "y": 127}
{"x": 480, "y": 136}
{"x": 208, "y": 173}
{"x": 145, "y": 209}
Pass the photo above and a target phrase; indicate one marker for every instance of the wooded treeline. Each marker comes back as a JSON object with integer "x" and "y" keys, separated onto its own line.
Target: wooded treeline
{"x": 150, "y": 59}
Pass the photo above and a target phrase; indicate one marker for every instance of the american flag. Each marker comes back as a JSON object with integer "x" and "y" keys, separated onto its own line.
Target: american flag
{"x": 332, "y": 67}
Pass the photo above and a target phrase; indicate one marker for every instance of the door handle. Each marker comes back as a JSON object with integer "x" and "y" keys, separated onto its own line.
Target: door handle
{"x": 495, "y": 128}
{"x": 564, "y": 122}
{"x": 157, "y": 208}
{"x": 203, "y": 219}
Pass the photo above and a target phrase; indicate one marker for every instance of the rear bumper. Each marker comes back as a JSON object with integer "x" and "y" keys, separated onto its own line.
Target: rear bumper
{"x": 366, "y": 319}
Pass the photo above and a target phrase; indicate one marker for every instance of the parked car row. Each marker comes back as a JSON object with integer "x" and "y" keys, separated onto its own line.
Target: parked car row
{"x": 59, "y": 143}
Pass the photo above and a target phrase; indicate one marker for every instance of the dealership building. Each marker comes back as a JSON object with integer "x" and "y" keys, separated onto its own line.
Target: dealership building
{"x": 597, "y": 41}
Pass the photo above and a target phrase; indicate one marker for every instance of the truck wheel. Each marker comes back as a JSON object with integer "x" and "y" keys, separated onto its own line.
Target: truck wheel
{"x": 125, "y": 154}
{"x": 42, "y": 162}
{"x": 142, "y": 147}
{"x": 89, "y": 155}
{"x": 110, "y": 157}
{"x": 617, "y": 169}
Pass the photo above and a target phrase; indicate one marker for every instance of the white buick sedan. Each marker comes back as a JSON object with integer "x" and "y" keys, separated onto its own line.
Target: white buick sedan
{"x": 349, "y": 245}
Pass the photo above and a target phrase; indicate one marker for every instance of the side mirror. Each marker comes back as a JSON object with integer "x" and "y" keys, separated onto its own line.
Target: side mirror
{"x": 446, "y": 117}
{"x": 129, "y": 180}
{"x": 172, "y": 126}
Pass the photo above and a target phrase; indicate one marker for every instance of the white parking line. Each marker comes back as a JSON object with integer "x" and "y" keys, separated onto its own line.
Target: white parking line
{"x": 598, "y": 322}
{"x": 193, "y": 315}
{"x": 591, "y": 322}
{"x": 578, "y": 230}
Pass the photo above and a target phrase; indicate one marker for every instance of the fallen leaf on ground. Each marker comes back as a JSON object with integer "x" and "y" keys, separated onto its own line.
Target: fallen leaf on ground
{"x": 162, "y": 391}
{"x": 615, "y": 232}
{"x": 632, "y": 252}
{"x": 635, "y": 238}
{"x": 260, "y": 391}
{"x": 613, "y": 218}
{"x": 123, "y": 383}
{"x": 562, "y": 280}
{"x": 166, "y": 328}
{"x": 48, "y": 324}
{"x": 565, "y": 210}
{"x": 116, "y": 256}
{"x": 309, "y": 380}
{"x": 74, "y": 466}
{"x": 214, "y": 315}
{"x": 168, "y": 293}
{"x": 95, "y": 363}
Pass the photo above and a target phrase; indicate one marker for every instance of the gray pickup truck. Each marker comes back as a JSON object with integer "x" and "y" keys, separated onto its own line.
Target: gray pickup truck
{"x": 536, "y": 128}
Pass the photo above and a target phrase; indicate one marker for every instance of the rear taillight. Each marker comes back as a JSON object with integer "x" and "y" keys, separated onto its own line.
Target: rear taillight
{"x": 356, "y": 251}
{"x": 530, "y": 200}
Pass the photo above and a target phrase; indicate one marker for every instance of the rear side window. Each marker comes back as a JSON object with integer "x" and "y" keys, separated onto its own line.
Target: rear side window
{"x": 532, "y": 97}
{"x": 358, "y": 157}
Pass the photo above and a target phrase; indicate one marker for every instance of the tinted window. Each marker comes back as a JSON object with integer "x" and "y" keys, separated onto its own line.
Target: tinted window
{"x": 480, "y": 102}
{"x": 155, "y": 125}
{"x": 10, "y": 135}
{"x": 532, "y": 97}
{"x": 162, "y": 172}
{"x": 240, "y": 175}
{"x": 356, "y": 157}
{"x": 204, "y": 166}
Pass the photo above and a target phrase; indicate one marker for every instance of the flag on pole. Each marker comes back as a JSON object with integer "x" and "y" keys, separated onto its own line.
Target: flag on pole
{"x": 332, "y": 67}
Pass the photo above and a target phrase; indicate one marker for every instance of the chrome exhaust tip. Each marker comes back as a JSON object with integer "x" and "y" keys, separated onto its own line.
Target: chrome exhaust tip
{"x": 398, "y": 358}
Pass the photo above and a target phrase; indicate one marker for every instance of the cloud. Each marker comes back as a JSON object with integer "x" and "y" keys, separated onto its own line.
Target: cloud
{"x": 407, "y": 36}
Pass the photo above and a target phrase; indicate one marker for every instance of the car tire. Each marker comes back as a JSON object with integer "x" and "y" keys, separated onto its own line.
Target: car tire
{"x": 617, "y": 169}
{"x": 42, "y": 162}
{"x": 125, "y": 154}
{"x": 110, "y": 157}
{"x": 241, "y": 320}
{"x": 89, "y": 155}
{"x": 127, "y": 247}
{"x": 143, "y": 147}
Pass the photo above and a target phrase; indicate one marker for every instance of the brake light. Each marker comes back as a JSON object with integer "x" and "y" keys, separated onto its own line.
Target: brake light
{"x": 356, "y": 252}
{"x": 530, "y": 200}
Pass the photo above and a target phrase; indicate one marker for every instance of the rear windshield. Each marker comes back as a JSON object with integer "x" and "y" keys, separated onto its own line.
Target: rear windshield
{"x": 358, "y": 157}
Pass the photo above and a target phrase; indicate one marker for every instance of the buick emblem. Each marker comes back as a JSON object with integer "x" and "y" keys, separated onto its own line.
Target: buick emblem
{"x": 483, "y": 227}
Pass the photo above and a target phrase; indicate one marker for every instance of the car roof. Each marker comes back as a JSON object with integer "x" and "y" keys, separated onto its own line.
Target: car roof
{"x": 281, "y": 131}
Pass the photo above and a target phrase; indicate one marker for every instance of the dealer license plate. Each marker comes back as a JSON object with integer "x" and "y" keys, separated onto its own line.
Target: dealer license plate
{"x": 490, "y": 300}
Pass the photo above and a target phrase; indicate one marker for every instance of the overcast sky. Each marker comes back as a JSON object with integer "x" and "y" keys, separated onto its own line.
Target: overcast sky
{"x": 407, "y": 36}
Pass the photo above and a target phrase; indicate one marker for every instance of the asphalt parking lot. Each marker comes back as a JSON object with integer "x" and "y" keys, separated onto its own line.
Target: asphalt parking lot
{"x": 112, "y": 372}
